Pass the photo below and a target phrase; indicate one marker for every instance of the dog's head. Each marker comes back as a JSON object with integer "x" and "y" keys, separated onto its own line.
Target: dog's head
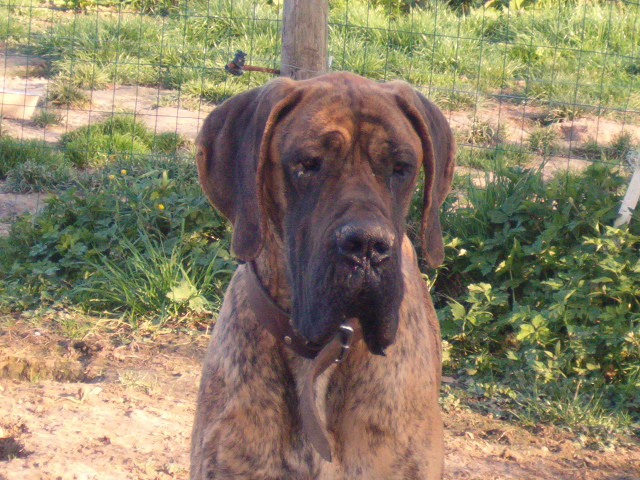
{"x": 330, "y": 165}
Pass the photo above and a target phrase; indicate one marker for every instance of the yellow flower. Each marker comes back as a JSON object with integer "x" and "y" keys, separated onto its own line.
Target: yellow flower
{"x": 123, "y": 172}
{"x": 112, "y": 176}
{"x": 160, "y": 206}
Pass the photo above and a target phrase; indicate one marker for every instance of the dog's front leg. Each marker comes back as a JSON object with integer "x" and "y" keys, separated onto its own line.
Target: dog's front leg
{"x": 244, "y": 427}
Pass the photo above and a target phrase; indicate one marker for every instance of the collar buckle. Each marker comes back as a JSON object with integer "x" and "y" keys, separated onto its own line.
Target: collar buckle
{"x": 346, "y": 336}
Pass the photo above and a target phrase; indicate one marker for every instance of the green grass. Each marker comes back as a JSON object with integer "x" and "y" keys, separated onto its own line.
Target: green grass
{"x": 538, "y": 298}
{"x": 593, "y": 422}
{"x": 121, "y": 135}
{"x": 148, "y": 210}
{"x": 63, "y": 92}
{"x": 540, "y": 291}
{"x": 484, "y": 133}
{"x": 14, "y": 152}
{"x": 616, "y": 151}
{"x": 560, "y": 54}
{"x": 29, "y": 177}
{"x": 46, "y": 117}
{"x": 156, "y": 281}
{"x": 543, "y": 140}
{"x": 33, "y": 166}
{"x": 492, "y": 158}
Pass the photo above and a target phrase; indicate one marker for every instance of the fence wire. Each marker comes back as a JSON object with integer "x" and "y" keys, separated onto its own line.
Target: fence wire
{"x": 523, "y": 83}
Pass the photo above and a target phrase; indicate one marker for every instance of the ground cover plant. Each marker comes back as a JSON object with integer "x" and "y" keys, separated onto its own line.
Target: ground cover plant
{"x": 149, "y": 212}
{"x": 541, "y": 290}
{"x": 14, "y": 152}
{"x": 37, "y": 166}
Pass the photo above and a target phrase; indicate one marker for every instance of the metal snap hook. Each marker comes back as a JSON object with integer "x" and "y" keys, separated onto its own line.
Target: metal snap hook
{"x": 346, "y": 335}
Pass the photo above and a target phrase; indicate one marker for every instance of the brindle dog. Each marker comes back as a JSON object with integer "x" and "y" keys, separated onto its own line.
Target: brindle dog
{"x": 316, "y": 177}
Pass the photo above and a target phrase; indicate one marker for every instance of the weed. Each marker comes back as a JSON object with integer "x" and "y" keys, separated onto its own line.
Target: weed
{"x": 620, "y": 146}
{"x": 484, "y": 133}
{"x": 119, "y": 136}
{"x": 45, "y": 117}
{"x": 184, "y": 99}
{"x": 65, "y": 94}
{"x": 544, "y": 273}
{"x": 138, "y": 380}
{"x": 485, "y": 50}
{"x": 543, "y": 140}
{"x": 169, "y": 142}
{"x": 155, "y": 280}
{"x": 492, "y": 158}
{"x": 534, "y": 405}
{"x": 14, "y": 152}
{"x": 83, "y": 74}
{"x": 74, "y": 247}
{"x": 456, "y": 100}
{"x": 565, "y": 404}
{"x": 30, "y": 177}
{"x": 591, "y": 150}
{"x": 563, "y": 113}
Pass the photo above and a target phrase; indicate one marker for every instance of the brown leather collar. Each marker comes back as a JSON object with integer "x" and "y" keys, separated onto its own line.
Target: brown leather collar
{"x": 278, "y": 323}
{"x": 274, "y": 319}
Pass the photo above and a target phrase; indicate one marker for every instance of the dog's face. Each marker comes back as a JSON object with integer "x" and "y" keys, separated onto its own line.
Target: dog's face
{"x": 348, "y": 163}
{"x": 335, "y": 164}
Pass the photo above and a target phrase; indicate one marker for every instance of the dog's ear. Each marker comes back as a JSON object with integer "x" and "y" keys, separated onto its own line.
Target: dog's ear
{"x": 438, "y": 148}
{"x": 228, "y": 152}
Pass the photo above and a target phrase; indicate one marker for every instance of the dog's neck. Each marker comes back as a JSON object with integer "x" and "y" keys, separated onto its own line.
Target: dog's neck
{"x": 271, "y": 269}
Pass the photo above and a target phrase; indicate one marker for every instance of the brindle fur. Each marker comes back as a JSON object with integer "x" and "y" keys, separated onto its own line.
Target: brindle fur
{"x": 381, "y": 411}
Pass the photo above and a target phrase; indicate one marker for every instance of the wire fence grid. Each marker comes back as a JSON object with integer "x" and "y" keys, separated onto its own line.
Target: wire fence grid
{"x": 548, "y": 83}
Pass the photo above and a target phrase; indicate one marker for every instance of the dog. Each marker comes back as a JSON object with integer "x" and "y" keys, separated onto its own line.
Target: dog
{"x": 325, "y": 360}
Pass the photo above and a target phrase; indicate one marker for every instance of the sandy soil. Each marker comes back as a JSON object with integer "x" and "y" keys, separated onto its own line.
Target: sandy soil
{"x": 112, "y": 406}
{"x": 20, "y": 73}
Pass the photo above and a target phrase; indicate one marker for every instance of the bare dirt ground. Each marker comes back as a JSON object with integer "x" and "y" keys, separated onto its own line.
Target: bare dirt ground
{"x": 19, "y": 74}
{"x": 120, "y": 406}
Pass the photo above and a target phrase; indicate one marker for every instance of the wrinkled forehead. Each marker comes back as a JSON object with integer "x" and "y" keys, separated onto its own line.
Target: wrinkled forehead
{"x": 341, "y": 120}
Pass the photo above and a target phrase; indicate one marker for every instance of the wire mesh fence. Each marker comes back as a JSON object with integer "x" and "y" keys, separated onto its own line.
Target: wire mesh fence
{"x": 101, "y": 101}
{"x": 521, "y": 82}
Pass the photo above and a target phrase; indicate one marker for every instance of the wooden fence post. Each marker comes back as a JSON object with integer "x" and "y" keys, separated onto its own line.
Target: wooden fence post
{"x": 304, "y": 38}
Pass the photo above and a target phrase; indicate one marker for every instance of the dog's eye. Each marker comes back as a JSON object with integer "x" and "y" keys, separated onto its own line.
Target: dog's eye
{"x": 311, "y": 164}
{"x": 308, "y": 165}
{"x": 400, "y": 169}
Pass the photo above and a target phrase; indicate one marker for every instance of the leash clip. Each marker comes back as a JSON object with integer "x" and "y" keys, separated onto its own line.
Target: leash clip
{"x": 346, "y": 335}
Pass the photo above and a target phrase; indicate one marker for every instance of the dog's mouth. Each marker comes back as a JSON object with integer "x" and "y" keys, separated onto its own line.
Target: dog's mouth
{"x": 323, "y": 298}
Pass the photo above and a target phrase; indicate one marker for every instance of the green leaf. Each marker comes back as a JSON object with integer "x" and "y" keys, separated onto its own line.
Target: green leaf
{"x": 198, "y": 304}
{"x": 525, "y": 332}
{"x": 182, "y": 292}
{"x": 457, "y": 310}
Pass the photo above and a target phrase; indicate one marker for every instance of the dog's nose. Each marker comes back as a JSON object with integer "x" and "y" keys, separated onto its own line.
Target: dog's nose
{"x": 364, "y": 243}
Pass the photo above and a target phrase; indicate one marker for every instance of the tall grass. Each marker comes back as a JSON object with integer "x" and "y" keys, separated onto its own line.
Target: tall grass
{"x": 156, "y": 281}
{"x": 14, "y": 152}
{"x": 583, "y": 52}
{"x": 138, "y": 228}
{"x": 119, "y": 136}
